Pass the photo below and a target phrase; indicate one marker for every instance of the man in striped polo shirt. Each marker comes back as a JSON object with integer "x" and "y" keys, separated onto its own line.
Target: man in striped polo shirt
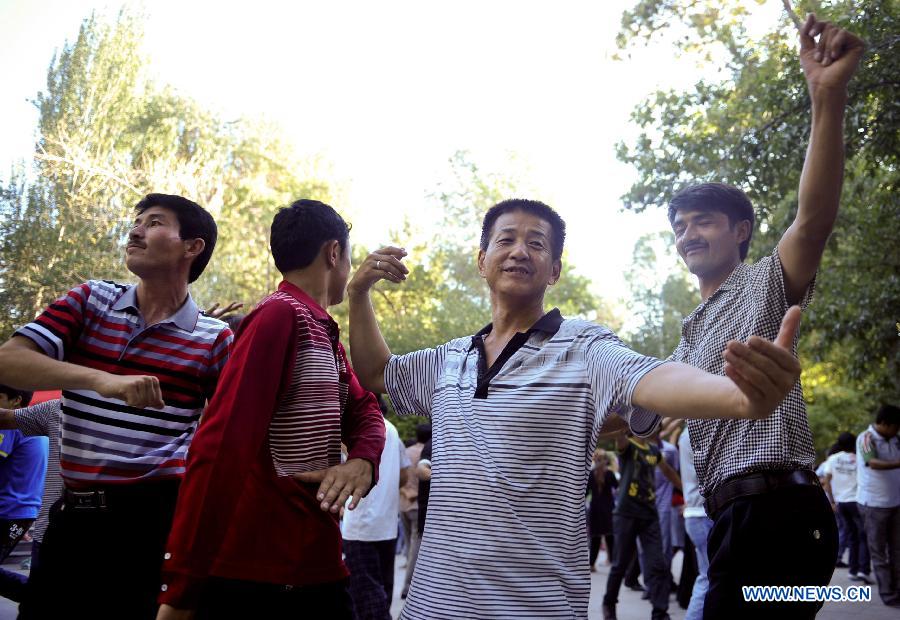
{"x": 517, "y": 409}
{"x": 256, "y": 530}
{"x": 136, "y": 364}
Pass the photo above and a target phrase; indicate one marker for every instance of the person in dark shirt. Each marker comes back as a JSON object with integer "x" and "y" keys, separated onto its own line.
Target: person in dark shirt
{"x": 423, "y": 470}
{"x": 600, "y": 487}
{"x": 635, "y": 516}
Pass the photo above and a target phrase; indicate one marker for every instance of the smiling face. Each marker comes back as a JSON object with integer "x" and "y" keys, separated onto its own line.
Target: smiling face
{"x": 518, "y": 261}
{"x": 707, "y": 242}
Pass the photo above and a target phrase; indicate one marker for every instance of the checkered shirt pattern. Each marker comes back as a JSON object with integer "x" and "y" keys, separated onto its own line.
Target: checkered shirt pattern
{"x": 752, "y": 301}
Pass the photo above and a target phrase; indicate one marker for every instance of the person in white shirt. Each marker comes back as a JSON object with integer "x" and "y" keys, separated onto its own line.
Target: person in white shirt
{"x": 840, "y": 486}
{"x": 878, "y": 497}
{"x": 370, "y": 533}
{"x": 696, "y": 523}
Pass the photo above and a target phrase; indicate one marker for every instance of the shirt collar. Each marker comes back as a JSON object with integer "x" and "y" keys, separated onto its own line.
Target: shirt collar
{"x": 549, "y": 324}
{"x": 318, "y": 312}
{"x": 184, "y": 318}
{"x": 737, "y": 276}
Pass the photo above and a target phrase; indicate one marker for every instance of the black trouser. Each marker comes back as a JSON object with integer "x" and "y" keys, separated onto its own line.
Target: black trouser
{"x": 371, "y": 566}
{"x": 595, "y": 547}
{"x": 102, "y": 563}
{"x": 232, "y": 598}
{"x": 783, "y": 537}
{"x": 627, "y": 530}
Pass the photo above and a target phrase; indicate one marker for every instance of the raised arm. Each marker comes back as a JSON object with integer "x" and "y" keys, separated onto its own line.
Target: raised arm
{"x": 368, "y": 350}
{"x": 759, "y": 376}
{"x": 828, "y": 66}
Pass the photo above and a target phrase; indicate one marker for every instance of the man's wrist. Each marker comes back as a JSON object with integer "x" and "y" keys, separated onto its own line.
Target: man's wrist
{"x": 826, "y": 97}
{"x": 357, "y": 293}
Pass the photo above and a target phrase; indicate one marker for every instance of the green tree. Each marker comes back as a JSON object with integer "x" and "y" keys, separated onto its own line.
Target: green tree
{"x": 106, "y": 137}
{"x": 750, "y": 128}
{"x": 661, "y": 305}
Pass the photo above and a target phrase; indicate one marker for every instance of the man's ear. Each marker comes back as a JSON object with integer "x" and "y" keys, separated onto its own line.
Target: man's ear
{"x": 557, "y": 271}
{"x": 744, "y": 228}
{"x": 481, "y": 263}
{"x": 193, "y": 247}
{"x": 332, "y": 252}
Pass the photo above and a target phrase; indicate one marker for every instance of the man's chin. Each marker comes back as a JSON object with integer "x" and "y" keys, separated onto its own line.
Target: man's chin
{"x": 520, "y": 290}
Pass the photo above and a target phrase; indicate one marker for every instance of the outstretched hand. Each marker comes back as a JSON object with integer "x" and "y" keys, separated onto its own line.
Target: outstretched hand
{"x": 830, "y": 62}
{"x": 216, "y": 312}
{"x": 764, "y": 371}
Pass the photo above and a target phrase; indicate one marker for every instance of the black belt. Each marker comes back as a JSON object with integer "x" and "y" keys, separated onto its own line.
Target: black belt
{"x": 756, "y": 484}
{"x": 123, "y": 496}
{"x": 85, "y": 500}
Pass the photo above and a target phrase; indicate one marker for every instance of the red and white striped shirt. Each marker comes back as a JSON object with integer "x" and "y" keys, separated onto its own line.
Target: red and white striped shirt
{"x": 287, "y": 398}
{"x": 104, "y": 441}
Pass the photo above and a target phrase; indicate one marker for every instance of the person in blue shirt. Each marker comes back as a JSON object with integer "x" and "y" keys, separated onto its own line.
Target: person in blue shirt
{"x": 23, "y": 465}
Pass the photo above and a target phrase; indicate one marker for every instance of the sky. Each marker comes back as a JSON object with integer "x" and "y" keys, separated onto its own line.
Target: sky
{"x": 386, "y": 92}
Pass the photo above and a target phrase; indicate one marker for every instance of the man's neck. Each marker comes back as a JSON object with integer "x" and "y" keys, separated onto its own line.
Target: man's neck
{"x": 160, "y": 299}
{"x": 512, "y": 316}
{"x": 311, "y": 282}
{"x": 709, "y": 284}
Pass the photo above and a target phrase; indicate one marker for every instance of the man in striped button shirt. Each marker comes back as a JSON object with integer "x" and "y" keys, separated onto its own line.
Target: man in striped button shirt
{"x": 136, "y": 364}
{"x": 517, "y": 409}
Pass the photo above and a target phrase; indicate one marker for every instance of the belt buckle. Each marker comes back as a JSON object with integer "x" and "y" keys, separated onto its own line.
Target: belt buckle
{"x": 88, "y": 500}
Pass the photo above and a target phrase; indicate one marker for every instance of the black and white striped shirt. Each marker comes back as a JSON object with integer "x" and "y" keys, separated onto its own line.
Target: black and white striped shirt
{"x": 505, "y": 535}
{"x": 752, "y": 301}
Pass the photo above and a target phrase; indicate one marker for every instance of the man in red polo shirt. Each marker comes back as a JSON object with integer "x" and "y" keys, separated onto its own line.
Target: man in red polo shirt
{"x": 253, "y": 535}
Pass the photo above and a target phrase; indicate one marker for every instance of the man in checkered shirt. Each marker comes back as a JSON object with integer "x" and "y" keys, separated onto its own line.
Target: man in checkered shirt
{"x": 773, "y": 523}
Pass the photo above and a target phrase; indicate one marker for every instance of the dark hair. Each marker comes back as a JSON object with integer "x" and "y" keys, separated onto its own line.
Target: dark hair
{"x": 13, "y": 393}
{"x": 423, "y": 433}
{"x": 194, "y": 222}
{"x": 887, "y": 414}
{"x": 382, "y": 404}
{"x": 300, "y": 230}
{"x": 234, "y": 321}
{"x": 533, "y": 207}
{"x": 846, "y": 442}
{"x": 726, "y": 199}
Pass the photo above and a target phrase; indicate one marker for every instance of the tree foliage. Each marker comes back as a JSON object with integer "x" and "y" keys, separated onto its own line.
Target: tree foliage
{"x": 661, "y": 305}
{"x": 750, "y": 129}
{"x": 107, "y": 136}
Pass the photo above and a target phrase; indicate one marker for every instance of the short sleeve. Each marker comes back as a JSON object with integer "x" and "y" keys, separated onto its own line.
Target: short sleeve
{"x": 37, "y": 420}
{"x": 410, "y": 379}
{"x": 614, "y": 371}
{"x": 768, "y": 295}
{"x": 219, "y": 354}
{"x": 867, "y": 449}
{"x": 828, "y": 466}
{"x": 60, "y": 324}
